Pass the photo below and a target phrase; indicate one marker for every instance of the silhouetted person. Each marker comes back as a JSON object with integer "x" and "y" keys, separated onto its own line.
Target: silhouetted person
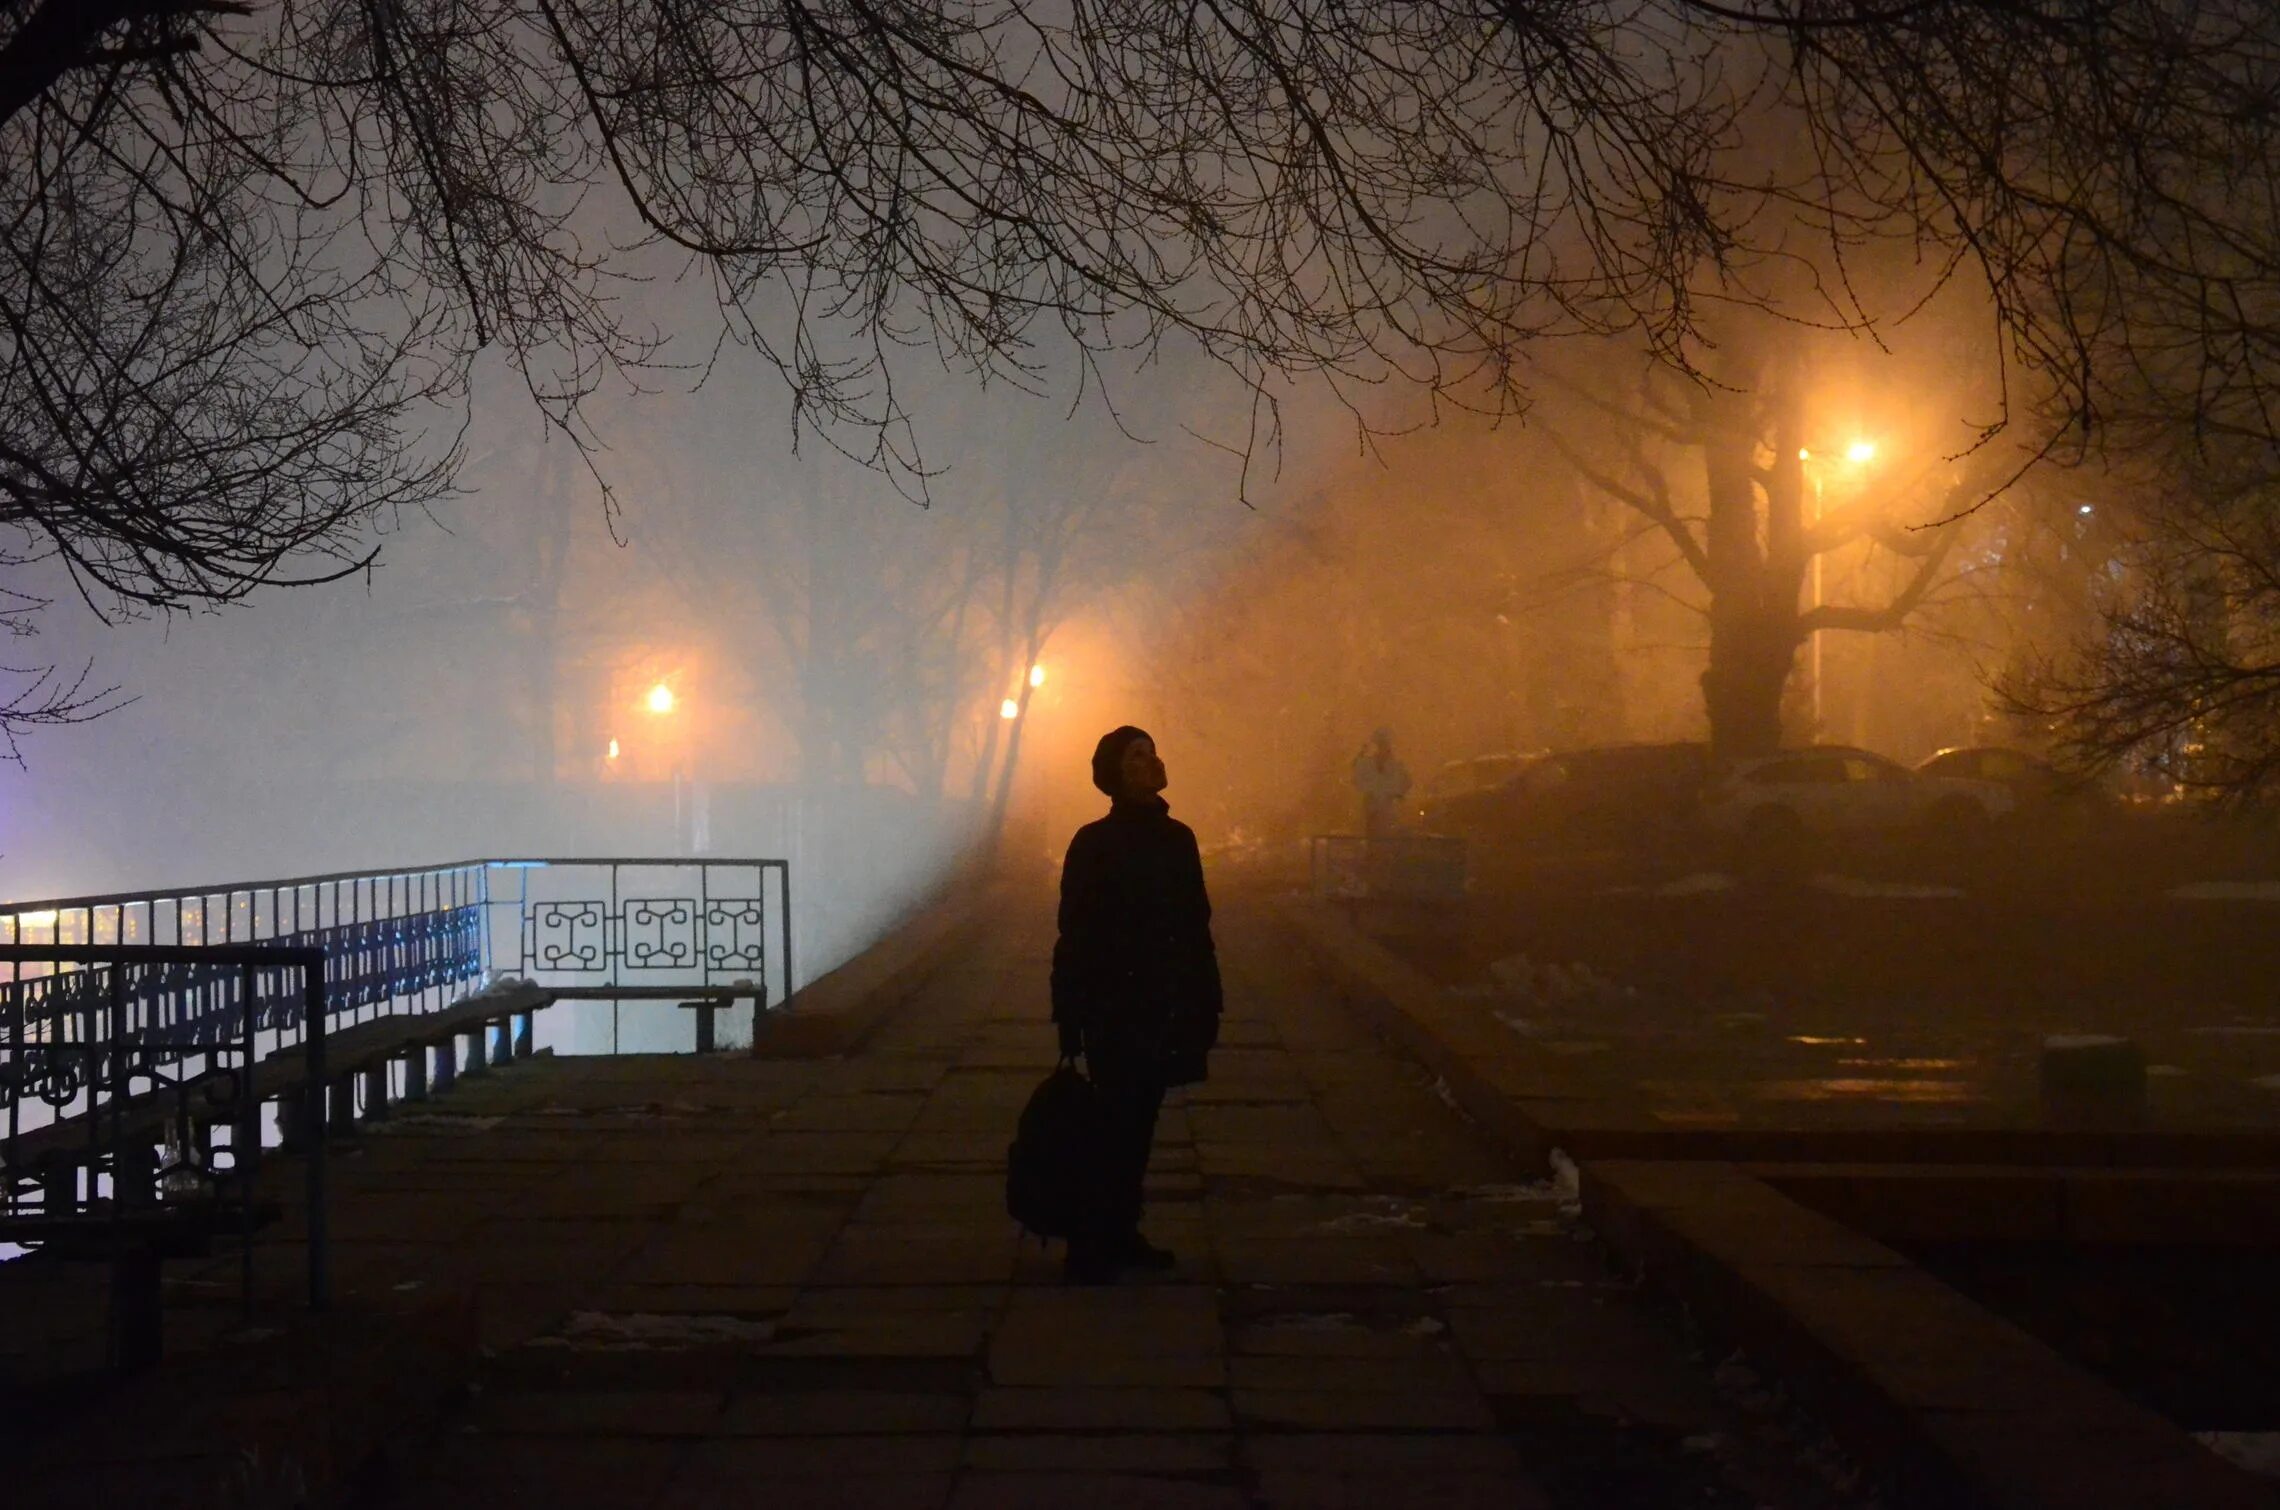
{"x": 1135, "y": 985}
{"x": 1383, "y": 781}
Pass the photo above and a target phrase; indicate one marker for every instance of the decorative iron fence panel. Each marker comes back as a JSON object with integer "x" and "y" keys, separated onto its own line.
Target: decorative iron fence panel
{"x": 625, "y": 926}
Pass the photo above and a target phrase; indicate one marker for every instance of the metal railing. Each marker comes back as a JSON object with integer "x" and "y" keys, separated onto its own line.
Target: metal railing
{"x": 646, "y": 927}
{"x": 134, "y": 1048}
{"x": 404, "y": 940}
{"x": 109, "y": 1001}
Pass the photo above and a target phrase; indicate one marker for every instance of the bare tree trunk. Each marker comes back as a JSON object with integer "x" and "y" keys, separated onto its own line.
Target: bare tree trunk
{"x": 995, "y": 833}
{"x": 1753, "y": 580}
{"x": 1749, "y": 669}
{"x": 543, "y": 646}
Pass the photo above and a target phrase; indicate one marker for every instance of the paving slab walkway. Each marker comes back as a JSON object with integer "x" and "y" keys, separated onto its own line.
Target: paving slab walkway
{"x": 738, "y": 1281}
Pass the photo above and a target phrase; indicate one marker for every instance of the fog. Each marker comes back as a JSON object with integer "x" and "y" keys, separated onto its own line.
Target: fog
{"x": 835, "y": 654}
{"x": 838, "y": 656}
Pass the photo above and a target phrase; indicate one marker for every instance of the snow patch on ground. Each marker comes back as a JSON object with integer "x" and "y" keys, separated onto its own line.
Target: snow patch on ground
{"x": 458, "y": 1124}
{"x": 1388, "y": 1214}
{"x": 1552, "y": 985}
{"x": 645, "y": 1330}
{"x": 1563, "y": 1190}
{"x": 2257, "y": 1451}
{"x": 643, "y": 1111}
{"x": 1539, "y": 1193}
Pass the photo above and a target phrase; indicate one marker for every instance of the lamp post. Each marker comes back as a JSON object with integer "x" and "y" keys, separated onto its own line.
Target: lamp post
{"x": 661, "y": 702}
{"x": 1813, "y": 649}
{"x": 1859, "y": 454}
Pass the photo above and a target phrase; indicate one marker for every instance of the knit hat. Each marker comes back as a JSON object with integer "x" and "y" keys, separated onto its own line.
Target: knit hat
{"x": 1108, "y": 758}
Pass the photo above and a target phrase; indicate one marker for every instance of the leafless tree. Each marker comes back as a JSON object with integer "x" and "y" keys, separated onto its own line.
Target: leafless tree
{"x": 253, "y": 248}
{"x": 1722, "y": 468}
{"x": 2178, "y": 671}
{"x": 41, "y": 696}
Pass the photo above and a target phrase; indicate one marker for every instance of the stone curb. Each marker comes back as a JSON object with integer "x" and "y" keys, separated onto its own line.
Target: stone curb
{"x": 1979, "y": 1203}
{"x": 1538, "y": 1102}
{"x": 1968, "y": 1410}
{"x": 1964, "y": 1408}
{"x": 1487, "y": 1071}
{"x": 837, "y": 1011}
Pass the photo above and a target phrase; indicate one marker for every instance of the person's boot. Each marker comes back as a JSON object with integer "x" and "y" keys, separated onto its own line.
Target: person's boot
{"x": 1089, "y": 1263}
{"x": 1135, "y": 1252}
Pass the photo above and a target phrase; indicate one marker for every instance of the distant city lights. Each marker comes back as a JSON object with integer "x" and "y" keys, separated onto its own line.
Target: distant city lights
{"x": 613, "y": 749}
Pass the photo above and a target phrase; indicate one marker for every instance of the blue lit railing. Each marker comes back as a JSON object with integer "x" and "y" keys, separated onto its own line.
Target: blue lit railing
{"x": 400, "y": 941}
{"x": 394, "y": 942}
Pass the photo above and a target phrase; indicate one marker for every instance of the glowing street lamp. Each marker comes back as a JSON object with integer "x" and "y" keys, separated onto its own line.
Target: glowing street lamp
{"x": 1037, "y": 676}
{"x": 613, "y": 749}
{"x": 1009, "y": 709}
{"x": 1860, "y": 453}
{"x": 660, "y": 700}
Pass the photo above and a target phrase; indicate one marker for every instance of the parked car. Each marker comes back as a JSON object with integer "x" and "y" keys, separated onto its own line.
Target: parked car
{"x": 1835, "y": 791}
{"x": 1625, "y": 797}
{"x": 2034, "y": 783}
{"x": 1461, "y": 785}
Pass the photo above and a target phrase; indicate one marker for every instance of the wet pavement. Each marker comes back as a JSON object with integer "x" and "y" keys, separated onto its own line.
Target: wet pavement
{"x": 741, "y": 1281}
{"x": 1863, "y": 1025}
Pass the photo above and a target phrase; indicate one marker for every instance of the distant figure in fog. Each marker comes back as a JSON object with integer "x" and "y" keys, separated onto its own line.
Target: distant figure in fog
{"x": 1135, "y": 985}
{"x": 1383, "y": 781}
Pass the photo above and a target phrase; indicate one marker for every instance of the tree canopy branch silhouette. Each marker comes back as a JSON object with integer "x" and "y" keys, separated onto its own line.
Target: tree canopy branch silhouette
{"x": 252, "y": 251}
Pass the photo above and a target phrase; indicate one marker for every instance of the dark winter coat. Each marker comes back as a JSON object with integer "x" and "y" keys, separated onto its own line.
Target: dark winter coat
{"x": 1134, "y": 967}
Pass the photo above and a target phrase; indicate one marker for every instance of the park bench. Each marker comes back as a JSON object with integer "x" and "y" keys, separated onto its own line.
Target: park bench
{"x": 705, "y": 1001}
